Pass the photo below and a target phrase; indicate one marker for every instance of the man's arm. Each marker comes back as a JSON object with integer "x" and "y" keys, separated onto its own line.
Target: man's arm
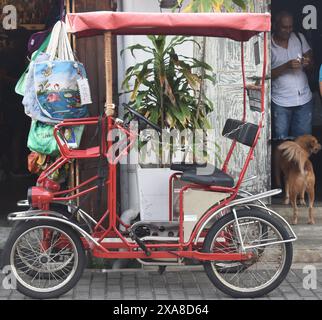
{"x": 292, "y": 64}
{"x": 308, "y": 60}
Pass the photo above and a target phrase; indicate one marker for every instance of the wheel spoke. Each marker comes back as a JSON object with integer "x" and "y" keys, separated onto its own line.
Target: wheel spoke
{"x": 44, "y": 270}
{"x": 265, "y": 264}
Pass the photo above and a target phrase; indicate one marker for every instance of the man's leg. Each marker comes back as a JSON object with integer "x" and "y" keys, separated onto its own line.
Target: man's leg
{"x": 302, "y": 119}
{"x": 281, "y": 122}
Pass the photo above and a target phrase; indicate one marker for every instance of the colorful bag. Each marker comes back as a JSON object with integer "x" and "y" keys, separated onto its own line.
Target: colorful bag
{"x": 58, "y": 81}
{"x": 37, "y": 162}
{"x": 30, "y": 102}
{"x": 41, "y": 138}
{"x": 36, "y": 40}
{"x": 21, "y": 84}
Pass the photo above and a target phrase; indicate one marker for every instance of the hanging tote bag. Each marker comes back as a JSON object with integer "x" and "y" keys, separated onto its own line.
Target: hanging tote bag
{"x": 30, "y": 102}
{"x": 21, "y": 84}
{"x": 61, "y": 83}
{"x": 36, "y": 40}
{"x": 41, "y": 138}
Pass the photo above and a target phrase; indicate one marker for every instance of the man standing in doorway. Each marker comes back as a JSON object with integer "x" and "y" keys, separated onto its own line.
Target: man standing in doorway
{"x": 292, "y": 103}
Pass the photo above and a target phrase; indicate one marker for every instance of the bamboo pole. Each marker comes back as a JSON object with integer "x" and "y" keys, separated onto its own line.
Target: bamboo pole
{"x": 109, "y": 106}
{"x": 67, "y": 3}
{"x": 74, "y": 177}
{"x": 72, "y": 165}
{"x": 73, "y": 6}
{"x": 77, "y": 178}
{"x": 73, "y": 11}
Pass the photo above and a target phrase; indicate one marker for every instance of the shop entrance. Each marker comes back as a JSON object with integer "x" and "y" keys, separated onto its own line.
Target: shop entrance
{"x": 308, "y": 20}
{"x": 14, "y": 124}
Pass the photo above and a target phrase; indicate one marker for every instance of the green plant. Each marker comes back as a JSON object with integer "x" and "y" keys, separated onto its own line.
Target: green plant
{"x": 216, "y": 5}
{"x": 166, "y": 86}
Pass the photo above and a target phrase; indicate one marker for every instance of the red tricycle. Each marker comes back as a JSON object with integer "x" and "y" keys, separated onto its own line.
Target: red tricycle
{"x": 244, "y": 246}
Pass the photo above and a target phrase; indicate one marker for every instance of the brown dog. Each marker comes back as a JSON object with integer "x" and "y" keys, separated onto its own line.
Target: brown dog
{"x": 298, "y": 172}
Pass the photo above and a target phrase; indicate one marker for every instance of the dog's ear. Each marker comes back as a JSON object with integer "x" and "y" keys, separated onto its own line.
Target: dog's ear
{"x": 312, "y": 142}
{"x": 313, "y": 145}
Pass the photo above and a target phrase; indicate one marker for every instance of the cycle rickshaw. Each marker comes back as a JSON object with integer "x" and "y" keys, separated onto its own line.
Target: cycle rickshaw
{"x": 245, "y": 247}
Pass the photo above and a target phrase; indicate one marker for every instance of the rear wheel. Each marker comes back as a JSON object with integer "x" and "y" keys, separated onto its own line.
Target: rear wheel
{"x": 235, "y": 266}
{"x": 269, "y": 264}
{"x": 47, "y": 258}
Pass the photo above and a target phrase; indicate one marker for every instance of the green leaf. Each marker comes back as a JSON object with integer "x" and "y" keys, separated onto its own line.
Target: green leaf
{"x": 154, "y": 115}
{"x": 136, "y": 47}
{"x": 139, "y": 98}
{"x": 179, "y": 115}
{"x": 185, "y": 110}
{"x": 210, "y": 78}
{"x": 240, "y": 3}
{"x": 192, "y": 78}
{"x": 200, "y": 64}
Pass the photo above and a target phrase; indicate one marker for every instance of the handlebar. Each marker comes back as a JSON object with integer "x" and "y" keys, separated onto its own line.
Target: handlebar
{"x": 139, "y": 116}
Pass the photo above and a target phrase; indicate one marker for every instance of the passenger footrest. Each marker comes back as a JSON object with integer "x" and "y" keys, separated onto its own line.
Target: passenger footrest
{"x": 140, "y": 244}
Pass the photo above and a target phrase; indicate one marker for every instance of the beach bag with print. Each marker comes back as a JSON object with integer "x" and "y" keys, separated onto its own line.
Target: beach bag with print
{"x": 61, "y": 83}
{"x": 21, "y": 84}
{"x": 30, "y": 102}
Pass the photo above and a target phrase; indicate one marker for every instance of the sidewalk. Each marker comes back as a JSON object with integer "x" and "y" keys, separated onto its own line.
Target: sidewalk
{"x": 187, "y": 283}
{"x": 191, "y": 282}
{"x": 308, "y": 247}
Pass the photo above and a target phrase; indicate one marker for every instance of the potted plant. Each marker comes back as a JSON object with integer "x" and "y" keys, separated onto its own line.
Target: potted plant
{"x": 166, "y": 89}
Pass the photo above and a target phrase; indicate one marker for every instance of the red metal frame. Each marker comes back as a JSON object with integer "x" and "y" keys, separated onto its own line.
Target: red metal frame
{"x": 105, "y": 234}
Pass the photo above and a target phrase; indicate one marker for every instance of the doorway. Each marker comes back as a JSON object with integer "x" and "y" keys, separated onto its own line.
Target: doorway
{"x": 301, "y": 12}
{"x": 15, "y": 178}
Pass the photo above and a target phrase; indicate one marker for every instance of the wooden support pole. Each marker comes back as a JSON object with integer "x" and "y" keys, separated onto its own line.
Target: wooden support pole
{"x": 67, "y": 3}
{"x": 109, "y": 106}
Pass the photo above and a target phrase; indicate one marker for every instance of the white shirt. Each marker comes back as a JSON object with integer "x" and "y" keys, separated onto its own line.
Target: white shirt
{"x": 291, "y": 88}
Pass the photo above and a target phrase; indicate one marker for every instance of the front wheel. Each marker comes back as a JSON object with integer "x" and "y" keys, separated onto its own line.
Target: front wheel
{"x": 270, "y": 261}
{"x": 47, "y": 258}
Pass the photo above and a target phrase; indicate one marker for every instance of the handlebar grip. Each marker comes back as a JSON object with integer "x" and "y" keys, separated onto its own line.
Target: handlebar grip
{"x": 139, "y": 116}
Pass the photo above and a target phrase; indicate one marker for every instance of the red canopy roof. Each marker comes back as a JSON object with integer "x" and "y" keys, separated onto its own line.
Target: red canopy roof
{"x": 236, "y": 26}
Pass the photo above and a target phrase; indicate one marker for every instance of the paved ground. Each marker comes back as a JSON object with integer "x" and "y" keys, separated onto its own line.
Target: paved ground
{"x": 189, "y": 283}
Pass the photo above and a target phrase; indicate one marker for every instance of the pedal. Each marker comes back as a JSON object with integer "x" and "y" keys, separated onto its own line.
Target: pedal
{"x": 140, "y": 244}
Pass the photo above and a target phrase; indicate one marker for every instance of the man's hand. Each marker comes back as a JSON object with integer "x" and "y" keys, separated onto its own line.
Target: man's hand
{"x": 306, "y": 61}
{"x": 294, "y": 64}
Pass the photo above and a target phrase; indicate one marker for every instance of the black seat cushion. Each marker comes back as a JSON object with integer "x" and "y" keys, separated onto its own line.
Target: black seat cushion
{"x": 243, "y": 132}
{"x": 209, "y": 176}
{"x": 186, "y": 166}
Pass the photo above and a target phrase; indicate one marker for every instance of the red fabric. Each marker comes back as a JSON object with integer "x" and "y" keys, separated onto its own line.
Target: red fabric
{"x": 236, "y": 26}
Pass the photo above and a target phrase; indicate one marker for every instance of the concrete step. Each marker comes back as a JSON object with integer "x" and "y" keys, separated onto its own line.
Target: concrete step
{"x": 308, "y": 247}
{"x": 286, "y": 211}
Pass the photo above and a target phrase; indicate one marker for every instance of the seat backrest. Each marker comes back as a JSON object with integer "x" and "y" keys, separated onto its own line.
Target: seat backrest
{"x": 243, "y": 132}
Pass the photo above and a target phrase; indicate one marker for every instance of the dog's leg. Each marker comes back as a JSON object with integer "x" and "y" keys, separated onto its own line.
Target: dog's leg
{"x": 311, "y": 203}
{"x": 287, "y": 191}
{"x": 293, "y": 199}
{"x": 302, "y": 199}
{"x": 276, "y": 154}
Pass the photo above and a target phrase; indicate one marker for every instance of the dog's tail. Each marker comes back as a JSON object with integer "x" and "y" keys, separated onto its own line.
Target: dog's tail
{"x": 292, "y": 152}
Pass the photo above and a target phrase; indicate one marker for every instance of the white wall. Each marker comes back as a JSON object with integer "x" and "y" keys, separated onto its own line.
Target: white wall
{"x": 130, "y": 196}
